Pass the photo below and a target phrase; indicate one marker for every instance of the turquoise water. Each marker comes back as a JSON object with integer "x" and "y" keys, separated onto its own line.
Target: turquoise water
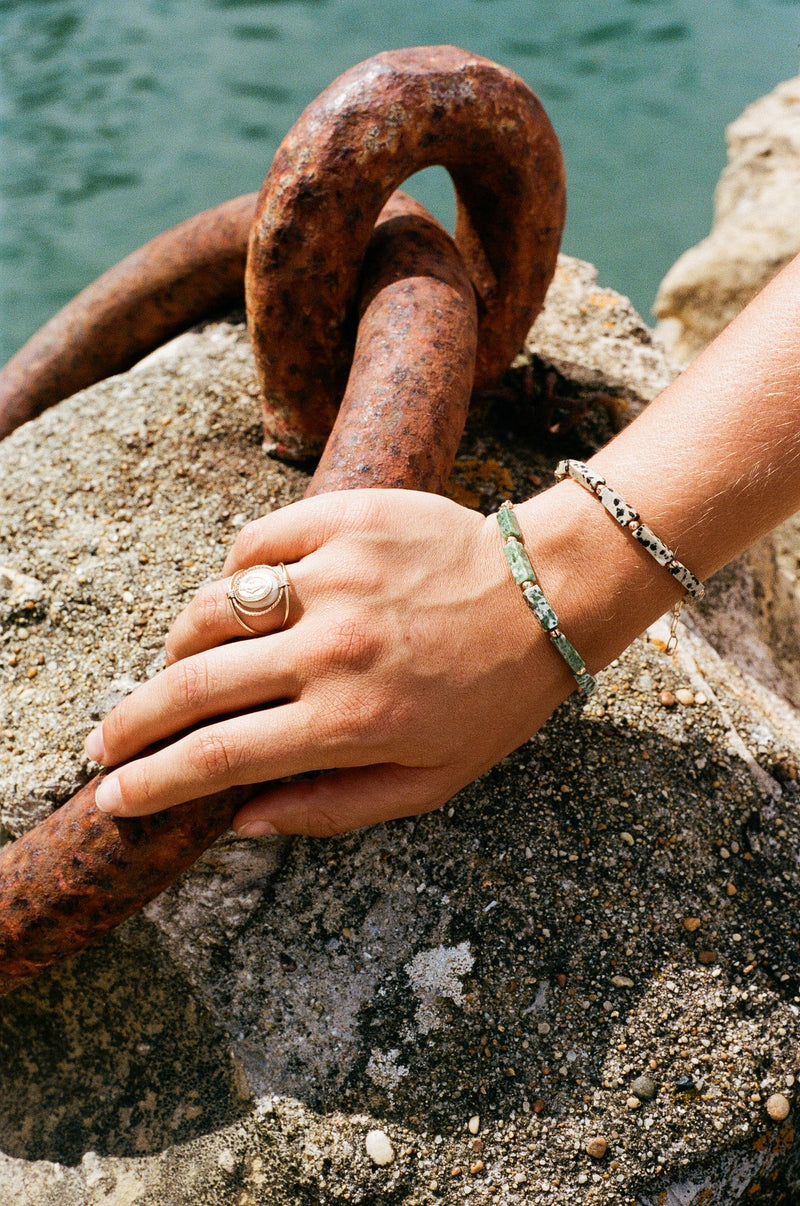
{"x": 118, "y": 119}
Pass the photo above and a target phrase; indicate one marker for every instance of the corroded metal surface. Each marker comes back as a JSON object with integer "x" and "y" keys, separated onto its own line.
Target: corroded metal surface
{"x": 81, "y": 872}
{"x": 409, "y": 387}
{"x": 184, "y": 275}
{"x": 383, "y": 120}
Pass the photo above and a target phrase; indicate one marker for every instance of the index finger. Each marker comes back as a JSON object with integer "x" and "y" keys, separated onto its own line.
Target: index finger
{"x": 300, "y": 528}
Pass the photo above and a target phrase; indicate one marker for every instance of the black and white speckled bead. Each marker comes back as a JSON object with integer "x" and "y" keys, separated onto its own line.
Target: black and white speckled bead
{"x": 655, "y": 547}
{"x": 580, "y": 473}
{"x": 690, "y": 584}
{"x": 617, "y": 507}
{"x": 625, "y": 515}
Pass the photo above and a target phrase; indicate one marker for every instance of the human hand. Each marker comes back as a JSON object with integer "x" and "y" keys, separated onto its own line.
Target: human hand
{"x": 410, "y": 665}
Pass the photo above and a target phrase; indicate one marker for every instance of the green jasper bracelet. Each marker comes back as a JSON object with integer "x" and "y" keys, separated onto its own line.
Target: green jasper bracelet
{"x": 523, "y": 574}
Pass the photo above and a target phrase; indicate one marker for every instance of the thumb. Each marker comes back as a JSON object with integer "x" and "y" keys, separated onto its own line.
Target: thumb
{"x": 340, "y": 800}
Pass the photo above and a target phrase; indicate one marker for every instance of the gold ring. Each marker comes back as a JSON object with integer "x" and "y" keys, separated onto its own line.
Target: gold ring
{"x": 255, "y": 591}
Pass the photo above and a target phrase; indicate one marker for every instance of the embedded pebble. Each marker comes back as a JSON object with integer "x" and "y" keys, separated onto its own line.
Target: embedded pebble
{"x": 227, "y": 1161}
{"x": 21, "y": 589}
{"x": 667, "y": 699}
{"x": 778, "y": 1107}
{"x": 597, "y": 1147}
{"x": 684, "y": 696}
{"x": 644, "y": 1088}
{"x": 706, "y": 957}
{"x": 476, "y": 1167}
{"x": 474, "y": 1124}
{"x": 622, "y": 981}
{"x": 633, "y": 1103}
{"x": 691, "y": 924}
{"x": 379, "y": 1148}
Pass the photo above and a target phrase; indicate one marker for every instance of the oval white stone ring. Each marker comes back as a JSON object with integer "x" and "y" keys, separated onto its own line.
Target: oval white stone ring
{"x": 255, "y": 591}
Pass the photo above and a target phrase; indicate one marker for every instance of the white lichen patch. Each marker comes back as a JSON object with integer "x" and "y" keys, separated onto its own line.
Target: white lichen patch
{"x": 384, "y": 1070}
{"x": 435, "y": 975}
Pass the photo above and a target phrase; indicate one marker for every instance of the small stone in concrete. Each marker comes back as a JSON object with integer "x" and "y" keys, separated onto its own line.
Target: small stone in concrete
{"x": 379, "y": 1148}
{"x": 667, "y": 699}
{"x": 684, "y": 696}
{"x": 690, "y": 924}
{"x": 706, "y": 957}
{"x": 778, "y": 1107}
{"x": 597, "y": 1147}
{"x": 644, "y": 1088}
{"x": 474, "y": 1124}
{"x": 622, "y": 981}
{"x": 227, "y": 1161}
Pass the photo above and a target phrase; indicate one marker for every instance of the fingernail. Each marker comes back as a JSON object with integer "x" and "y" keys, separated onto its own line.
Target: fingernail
{"x": 94, "y": 744}
{"x": 257, "y": 829}
{"x": 108, "y": 796}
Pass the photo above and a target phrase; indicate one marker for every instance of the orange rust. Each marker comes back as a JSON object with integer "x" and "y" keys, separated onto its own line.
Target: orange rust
{"x": 338, "y": 166}
{"x": 81, "y": 872}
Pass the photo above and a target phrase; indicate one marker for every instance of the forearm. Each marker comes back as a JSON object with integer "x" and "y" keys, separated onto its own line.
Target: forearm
{"x": 711, "y": 465}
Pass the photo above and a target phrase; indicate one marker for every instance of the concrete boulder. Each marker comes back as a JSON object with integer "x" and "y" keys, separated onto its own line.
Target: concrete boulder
{"x": 576, "y": 982}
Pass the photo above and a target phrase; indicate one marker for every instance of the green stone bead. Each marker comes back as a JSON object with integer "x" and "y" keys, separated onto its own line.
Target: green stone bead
{"x": 508, "y": 523}
{"x": 586, "y": 683}
{"x": 519, "y": 562}
{"x": 540, "y": 607}
{"x": 569, "y": 653}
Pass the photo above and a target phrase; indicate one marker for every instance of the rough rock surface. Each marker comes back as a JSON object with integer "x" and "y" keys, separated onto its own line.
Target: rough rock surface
{"x": 755, "y": 231}
{"x": 592, "y": 336}
{"x": 485, "y": 985}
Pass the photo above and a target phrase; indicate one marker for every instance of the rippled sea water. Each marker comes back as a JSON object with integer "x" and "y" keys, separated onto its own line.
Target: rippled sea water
{"x": 119, "y": 119}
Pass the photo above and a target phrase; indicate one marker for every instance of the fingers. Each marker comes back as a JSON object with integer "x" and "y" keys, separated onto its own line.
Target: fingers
{"x": 293, "y": 532}
{"x": 211, "y": 619}
{"x": 243, "y": 749}
{"x": 286, "y": 536}
{"x": 344, "y": 799}
{"x": 232, "y": 678}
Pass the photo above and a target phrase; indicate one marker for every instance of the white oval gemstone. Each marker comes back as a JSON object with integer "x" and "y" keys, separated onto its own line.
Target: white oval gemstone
{"x": 258, "y": 587}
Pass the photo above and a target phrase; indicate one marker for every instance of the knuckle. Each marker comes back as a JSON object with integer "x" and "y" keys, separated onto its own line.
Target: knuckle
{"x": 352, "y": 642}
{"x": 188, "y": 684}
{"x": 351, "y": 720}
{"x": 138, "y": 786}
{"x": 115, "y": 727}
{"x": 321, "y": 824}
{"x": 209, "y": 606}
{"x": 212, "y": 755}
{"x": 319, "y": 817}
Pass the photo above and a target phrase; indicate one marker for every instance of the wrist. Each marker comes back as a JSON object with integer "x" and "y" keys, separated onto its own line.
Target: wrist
{"x": 604, "y": 587}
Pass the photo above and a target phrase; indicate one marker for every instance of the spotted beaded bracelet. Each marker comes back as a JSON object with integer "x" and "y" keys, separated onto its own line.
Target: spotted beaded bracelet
{"x": 626, "y": 517}
{"x": 523, "y": 574}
